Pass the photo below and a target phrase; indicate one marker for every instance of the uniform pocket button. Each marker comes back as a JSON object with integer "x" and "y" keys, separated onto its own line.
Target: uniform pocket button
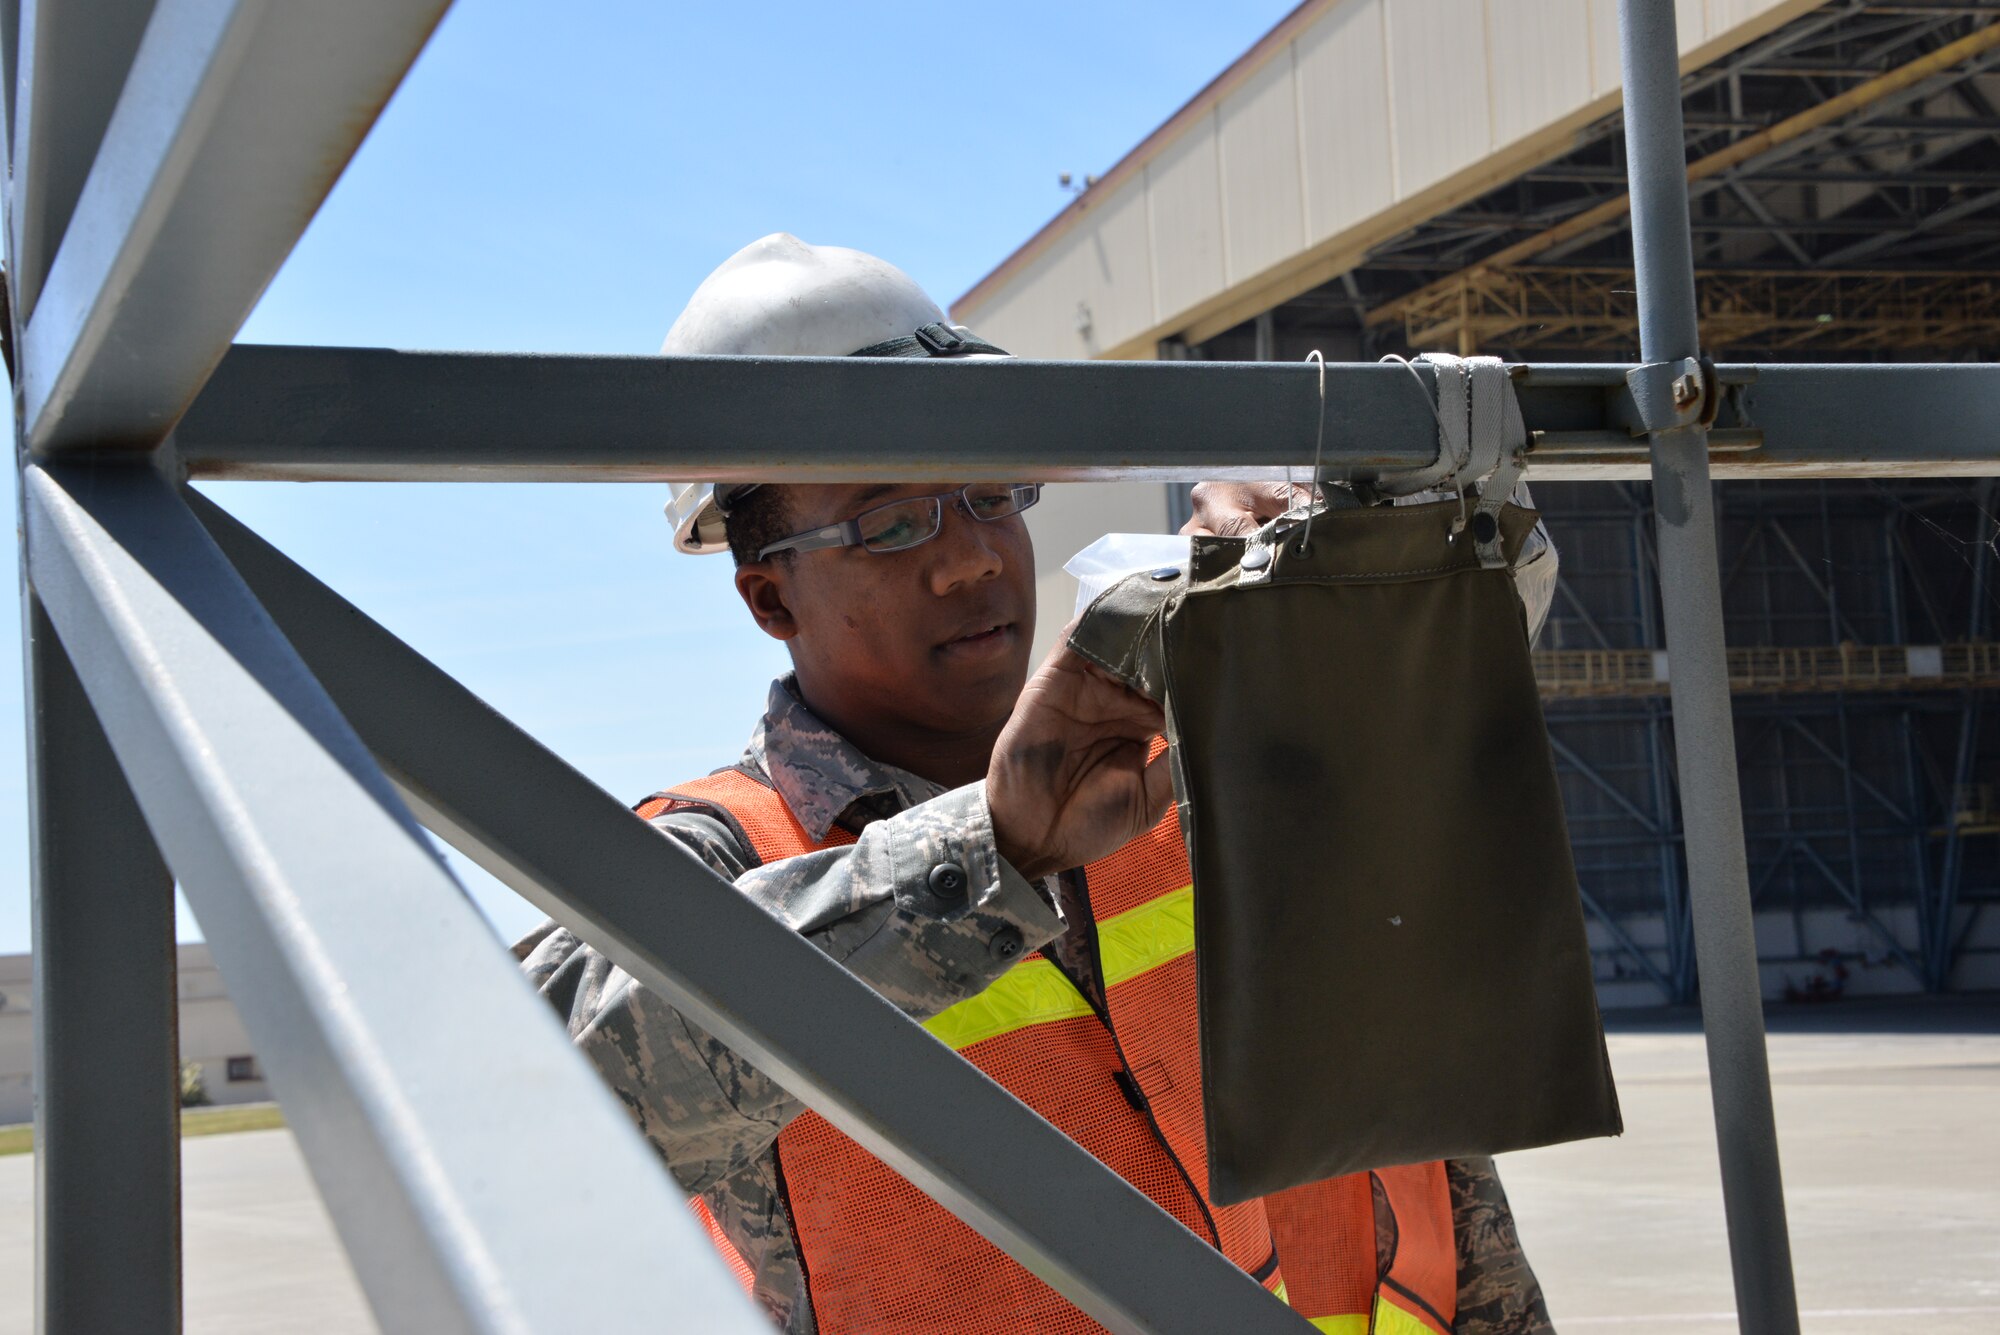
{"x": 948, "y": 881}
{"x": 1006, "y": 944}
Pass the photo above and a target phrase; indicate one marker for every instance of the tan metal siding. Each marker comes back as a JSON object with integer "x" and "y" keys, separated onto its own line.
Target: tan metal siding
{"x": 1183, "y": 187}
{"x": 1264, "y": 216}
{"x": 1540, "y": 57}
{"x": 1437, "y": 89}
{"x": 1345, "y": 124}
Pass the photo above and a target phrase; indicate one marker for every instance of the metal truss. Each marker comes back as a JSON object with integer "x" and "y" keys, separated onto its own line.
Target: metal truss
{"x": 1596, "y": 673}
{"x": 1777, "y": 310}
{"x": 1860, "y": 774}
{"x": 203, "y": 708}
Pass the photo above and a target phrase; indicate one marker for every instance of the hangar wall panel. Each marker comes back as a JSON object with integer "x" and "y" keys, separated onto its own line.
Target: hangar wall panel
{"x": 1438, "y": 89}
{"x": 1183, "y": 188}
{"x": 1090, "y": 291}
{"x": 1115, "y": 272}
{"x": 1263, "y": 211}
{"x": 1344, "y": 119}
{"x": 1721, "y": 15}
{"x": 1540, "y": 60}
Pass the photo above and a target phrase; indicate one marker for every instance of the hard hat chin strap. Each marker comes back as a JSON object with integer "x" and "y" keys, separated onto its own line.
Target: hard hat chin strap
{"x": 933, "y": 340}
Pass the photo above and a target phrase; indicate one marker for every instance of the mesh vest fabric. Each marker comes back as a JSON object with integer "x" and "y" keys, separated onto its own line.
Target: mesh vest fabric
{"x": 1385, "y": 904}
{"x": 881, "y": 1257}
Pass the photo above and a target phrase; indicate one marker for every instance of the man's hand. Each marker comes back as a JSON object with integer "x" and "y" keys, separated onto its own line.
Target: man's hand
{"x": 1069, "y": 782}
{"x": 1238, "y": 509}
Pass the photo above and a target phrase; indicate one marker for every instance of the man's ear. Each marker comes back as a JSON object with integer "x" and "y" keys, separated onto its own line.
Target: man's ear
{"x": 764, "y": 588}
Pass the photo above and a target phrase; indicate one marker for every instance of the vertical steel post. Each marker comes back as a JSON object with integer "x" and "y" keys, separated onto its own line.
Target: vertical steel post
{"x": 1938, "y": 953}
{"x": 1704, "y": 737}
{"x": 107, "y": 1108}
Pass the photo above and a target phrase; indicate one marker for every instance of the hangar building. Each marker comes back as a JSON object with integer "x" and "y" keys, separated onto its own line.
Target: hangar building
{"x": 1396, "y": 176}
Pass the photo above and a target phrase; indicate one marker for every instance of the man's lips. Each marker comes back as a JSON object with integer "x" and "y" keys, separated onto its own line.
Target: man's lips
{"x": 991, "y": 637}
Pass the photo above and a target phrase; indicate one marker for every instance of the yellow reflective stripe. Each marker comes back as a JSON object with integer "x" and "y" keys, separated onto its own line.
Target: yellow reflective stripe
{"x": 1393, "y": 1320}
{"x": 1146, "y": 937}
{"x": 1342, "y": 1325}
{"x": 1280, "y": 1294}
{"x": 1035, "y": 991}
{"x": 1389, "y": 1320}
{"x": 1032, "y": 992}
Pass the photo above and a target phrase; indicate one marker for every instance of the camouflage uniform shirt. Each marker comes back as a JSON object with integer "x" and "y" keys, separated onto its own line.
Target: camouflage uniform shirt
{"x": 715, "y": 1119}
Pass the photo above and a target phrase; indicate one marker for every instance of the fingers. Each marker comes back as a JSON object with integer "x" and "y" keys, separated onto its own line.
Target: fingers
{"x": 1109, "y": 699}
{"x": 1159, "y": 785}
{"x": 1238, "y": 509}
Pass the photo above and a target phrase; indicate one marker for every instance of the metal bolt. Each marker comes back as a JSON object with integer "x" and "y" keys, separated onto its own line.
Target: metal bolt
{"x": 1687, "y": 390}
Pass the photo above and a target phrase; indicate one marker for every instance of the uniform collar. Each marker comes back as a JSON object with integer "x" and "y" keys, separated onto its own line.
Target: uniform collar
{"x": 821, "y": 775}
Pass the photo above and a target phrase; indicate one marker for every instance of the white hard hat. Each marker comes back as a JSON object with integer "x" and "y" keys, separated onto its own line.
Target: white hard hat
{"x": 780, "y": 297}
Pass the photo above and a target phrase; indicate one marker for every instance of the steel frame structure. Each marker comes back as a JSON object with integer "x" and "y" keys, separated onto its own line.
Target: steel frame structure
{"x": 280, "y": 751}
{"x": 1859, "y": 775}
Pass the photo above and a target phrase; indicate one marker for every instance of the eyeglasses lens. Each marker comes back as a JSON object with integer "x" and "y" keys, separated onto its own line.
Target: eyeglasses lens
{"x": 900, "y": 524}
{"x": 997, "y": 500}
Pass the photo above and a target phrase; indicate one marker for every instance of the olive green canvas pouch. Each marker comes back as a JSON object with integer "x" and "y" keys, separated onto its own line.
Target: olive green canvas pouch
{"x": 1389, "y": 940}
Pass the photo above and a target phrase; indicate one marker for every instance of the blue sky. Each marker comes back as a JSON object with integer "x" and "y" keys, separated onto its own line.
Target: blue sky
{"x": 562, "y": 186}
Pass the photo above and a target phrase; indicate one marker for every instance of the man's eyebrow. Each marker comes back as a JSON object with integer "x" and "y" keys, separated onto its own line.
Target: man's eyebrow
{"x": 875, "y": 492}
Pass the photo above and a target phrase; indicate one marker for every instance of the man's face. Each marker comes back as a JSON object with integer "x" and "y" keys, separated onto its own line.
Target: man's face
{"x": 935, "y": 636}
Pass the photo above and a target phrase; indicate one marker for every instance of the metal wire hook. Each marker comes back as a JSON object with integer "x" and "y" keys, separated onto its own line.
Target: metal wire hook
{"x": 1319, "y": 445}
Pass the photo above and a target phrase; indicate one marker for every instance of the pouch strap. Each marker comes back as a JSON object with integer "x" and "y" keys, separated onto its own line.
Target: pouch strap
{"x": 1481, "y": 435}
{"x": 1499, "y": 427}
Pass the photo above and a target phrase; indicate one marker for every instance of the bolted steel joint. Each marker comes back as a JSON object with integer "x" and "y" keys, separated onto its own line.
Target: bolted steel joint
{"x": 1662, "y": 396}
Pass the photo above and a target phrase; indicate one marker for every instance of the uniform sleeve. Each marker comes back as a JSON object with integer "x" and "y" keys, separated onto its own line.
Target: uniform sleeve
{"x": 922, "y": 908}
{"x": 1497, "y": 1290}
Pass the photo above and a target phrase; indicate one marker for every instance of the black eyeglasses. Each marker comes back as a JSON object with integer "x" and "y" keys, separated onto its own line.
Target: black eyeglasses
{"x": 900, "y": 525}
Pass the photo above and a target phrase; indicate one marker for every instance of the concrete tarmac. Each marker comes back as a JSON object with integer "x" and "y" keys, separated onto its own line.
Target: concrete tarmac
{"x": 1889, "y": 1133}
{"x": 1889, "y": 1121}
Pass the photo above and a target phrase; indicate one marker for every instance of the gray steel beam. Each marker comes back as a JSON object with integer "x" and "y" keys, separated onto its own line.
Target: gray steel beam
{"x": 580, "y": 855}
{"x": 1939, "y": 951}
{"x": 367, "y": 414}
{"x": 71, "y": 63}
{"x": 107, "y": 1107}
{"x": 10, "y": 62}
{"x": 436, "y": 1098}
{"x": 234, "y": 122}
{"x": 1929, "y": 222}
{"x": 1704, "y": 735}
{"x": 1748, "y": 198}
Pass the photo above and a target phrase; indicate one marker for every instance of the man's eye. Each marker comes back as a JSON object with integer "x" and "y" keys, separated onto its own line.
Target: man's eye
{"x": 893, "y": 534}
{"x": 991, "y": 505}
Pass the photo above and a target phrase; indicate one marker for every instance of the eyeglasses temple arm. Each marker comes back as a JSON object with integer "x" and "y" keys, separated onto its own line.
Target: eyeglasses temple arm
{"x": 846, "y": 533}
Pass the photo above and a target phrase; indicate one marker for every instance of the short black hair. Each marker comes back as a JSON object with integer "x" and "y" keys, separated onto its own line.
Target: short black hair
{"x": 755, "y": 521}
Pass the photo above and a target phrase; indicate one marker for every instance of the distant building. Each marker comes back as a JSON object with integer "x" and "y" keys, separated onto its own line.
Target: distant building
{"x": 212, "y": 1035}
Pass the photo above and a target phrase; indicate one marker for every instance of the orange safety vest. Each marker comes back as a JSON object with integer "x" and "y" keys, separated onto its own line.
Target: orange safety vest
{"x": 882, "y": 1258}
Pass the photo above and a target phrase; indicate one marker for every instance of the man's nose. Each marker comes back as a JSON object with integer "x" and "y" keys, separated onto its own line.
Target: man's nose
{"x": 967, "y": 551}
